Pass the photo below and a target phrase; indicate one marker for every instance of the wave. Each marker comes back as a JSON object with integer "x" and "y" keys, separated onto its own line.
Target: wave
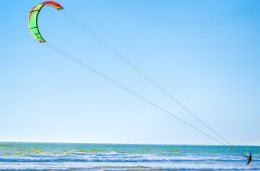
{"x": 115, "y": 157}
{"x": 128, "y": 166}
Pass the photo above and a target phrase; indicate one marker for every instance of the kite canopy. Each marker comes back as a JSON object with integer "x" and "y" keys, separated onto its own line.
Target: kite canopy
{"x": 33, "y": 18}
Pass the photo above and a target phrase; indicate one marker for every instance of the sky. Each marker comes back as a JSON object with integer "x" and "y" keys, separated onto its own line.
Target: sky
{"x": 205, "y": 53}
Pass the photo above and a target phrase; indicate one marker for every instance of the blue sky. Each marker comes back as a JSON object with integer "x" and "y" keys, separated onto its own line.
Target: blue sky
{"x": 206, "y": 53}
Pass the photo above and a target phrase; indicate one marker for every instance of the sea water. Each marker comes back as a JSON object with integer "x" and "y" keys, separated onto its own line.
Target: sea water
{"x": 64, "y": 156}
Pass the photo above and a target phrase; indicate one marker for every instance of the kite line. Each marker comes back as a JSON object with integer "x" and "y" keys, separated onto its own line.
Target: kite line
{"x": 92, "y": 69}
{"x": 121, "y": 57}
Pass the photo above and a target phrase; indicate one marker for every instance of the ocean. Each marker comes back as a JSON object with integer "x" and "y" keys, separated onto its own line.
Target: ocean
{"x": 66, "y": 156}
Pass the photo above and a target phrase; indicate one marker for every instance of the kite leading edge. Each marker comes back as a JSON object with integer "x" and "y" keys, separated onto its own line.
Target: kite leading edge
{"x": 33, "y": 19}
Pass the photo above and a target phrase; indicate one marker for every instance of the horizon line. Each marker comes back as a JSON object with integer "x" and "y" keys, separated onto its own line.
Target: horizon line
{"x": 121, "y": 143}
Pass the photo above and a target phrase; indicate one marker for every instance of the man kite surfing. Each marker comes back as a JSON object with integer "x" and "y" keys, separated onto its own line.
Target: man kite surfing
{"x": 249, "y": 158}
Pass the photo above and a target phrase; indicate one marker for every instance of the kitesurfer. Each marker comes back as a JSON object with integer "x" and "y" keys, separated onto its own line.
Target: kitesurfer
{"x": 249, "y": 158}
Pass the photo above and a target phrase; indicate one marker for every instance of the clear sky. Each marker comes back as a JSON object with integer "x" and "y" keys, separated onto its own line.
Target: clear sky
{"x": 206, "y": 53}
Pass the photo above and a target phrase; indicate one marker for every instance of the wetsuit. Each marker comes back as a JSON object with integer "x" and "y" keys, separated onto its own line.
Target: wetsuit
{"x": 249, "y": 158}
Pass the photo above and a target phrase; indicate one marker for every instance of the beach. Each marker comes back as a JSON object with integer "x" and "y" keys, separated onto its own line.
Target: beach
{"x": 78, "y": 156}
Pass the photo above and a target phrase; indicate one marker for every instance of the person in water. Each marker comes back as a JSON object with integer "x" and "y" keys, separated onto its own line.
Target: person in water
{"x": 249, "y": 158}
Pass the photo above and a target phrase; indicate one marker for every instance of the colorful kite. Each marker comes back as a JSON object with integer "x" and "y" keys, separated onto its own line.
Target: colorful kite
{"x": 33, "y": 18}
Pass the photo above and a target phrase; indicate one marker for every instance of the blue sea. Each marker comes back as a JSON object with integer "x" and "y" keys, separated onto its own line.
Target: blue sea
{"x": 65, "y": 156}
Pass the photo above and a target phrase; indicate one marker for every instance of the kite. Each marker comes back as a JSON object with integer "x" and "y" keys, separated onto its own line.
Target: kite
{"x": 33, "y": 19}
